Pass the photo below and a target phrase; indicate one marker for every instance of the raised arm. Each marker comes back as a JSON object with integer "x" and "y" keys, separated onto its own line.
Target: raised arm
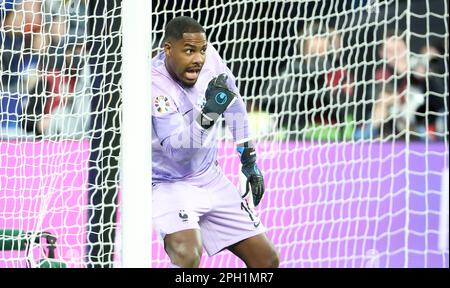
{"x": 180, "y": 139}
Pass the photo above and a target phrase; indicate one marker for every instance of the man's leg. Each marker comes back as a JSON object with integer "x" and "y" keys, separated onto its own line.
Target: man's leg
{"x": 256, "y": 252}
{"x": 177, "y": 208}
{"x": 233, "y": 225}
{"x": 184, "y": 248}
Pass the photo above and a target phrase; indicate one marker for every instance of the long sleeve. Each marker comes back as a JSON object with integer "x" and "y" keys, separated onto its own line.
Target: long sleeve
{"x": 236, "y": 117}
{"x": 177, "y": 137}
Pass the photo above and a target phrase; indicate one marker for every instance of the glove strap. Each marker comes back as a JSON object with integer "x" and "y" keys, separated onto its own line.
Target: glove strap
{"x": 247, "y": 153}
{"x": 204, "y": 121}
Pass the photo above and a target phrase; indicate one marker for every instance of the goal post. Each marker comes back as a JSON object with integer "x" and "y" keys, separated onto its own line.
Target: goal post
{"x": 136, "y": 135}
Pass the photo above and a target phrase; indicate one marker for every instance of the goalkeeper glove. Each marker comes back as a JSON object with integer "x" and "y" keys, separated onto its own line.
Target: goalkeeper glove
{"x": 255, "y": 180}
{"x": 218, "y": 97}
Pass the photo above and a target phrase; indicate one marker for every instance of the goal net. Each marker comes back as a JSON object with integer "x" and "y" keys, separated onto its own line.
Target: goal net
{"x": 60, "y": 132}
{"x": 349, "y": 112}
{"x": 348, "y": 106}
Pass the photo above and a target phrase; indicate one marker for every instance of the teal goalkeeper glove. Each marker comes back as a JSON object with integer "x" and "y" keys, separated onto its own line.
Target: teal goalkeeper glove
{"x": 218, "y": 97}
{"x": 255, "y": 179}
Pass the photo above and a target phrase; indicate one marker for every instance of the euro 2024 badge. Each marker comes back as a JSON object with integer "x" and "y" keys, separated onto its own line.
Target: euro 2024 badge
{"x": 162, "y": 104}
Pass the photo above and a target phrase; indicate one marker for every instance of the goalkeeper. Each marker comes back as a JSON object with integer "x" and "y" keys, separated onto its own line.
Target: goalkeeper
{"x": 194, "y": 204}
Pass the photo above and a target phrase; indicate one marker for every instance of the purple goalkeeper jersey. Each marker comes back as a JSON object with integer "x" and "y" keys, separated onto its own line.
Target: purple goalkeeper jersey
{"x": 181, "y": 148}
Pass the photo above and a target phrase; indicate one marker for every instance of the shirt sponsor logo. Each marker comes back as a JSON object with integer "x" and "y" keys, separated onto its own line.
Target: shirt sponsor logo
{"x": 162, "y": 104}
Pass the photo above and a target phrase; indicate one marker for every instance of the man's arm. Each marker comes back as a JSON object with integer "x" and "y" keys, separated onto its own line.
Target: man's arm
{"x": 236, "y": 117}
{"x": 178, "y": 138}
{"x": 237, "y": 120}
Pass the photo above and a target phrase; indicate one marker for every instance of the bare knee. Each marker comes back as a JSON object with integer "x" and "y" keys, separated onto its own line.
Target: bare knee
{"x": 274, "y": 260}
{"x": 256, "y": 252}
{"x": 186, "y": 256}
{"x": 270, "y": 260}
{"x": 184, "y": 249}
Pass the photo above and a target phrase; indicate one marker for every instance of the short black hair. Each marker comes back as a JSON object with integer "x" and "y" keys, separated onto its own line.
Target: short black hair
{"x": 179, "y": 25}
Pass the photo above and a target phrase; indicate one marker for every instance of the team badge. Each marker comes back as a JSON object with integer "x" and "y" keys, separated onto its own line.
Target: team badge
{"x": 162, "y": 104}
{"x": 183, "y": 216}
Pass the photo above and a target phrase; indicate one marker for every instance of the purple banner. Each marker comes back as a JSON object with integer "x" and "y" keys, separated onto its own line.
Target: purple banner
{"x": 326, "y": 205}
{"x": 45, "y": 181}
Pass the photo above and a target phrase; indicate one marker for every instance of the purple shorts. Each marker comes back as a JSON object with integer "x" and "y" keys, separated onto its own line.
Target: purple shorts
{"x": 209, "y": 202}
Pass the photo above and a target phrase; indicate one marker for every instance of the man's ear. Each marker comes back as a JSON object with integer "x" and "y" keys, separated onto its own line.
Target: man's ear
{"x": 168, "y": 48}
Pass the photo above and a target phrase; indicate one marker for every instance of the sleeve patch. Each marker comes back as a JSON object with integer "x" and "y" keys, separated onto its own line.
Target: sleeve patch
{"x": 162, "y": 104}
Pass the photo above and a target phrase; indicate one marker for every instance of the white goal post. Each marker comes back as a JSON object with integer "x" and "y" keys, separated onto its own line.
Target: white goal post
{"x": 136, "y": 137}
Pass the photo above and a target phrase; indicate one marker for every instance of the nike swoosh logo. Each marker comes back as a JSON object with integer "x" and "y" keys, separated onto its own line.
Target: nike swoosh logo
{"x": 256, "y": 224}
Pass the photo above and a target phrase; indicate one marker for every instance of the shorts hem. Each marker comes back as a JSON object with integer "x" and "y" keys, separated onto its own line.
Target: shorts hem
{"x": 234, "y": 241}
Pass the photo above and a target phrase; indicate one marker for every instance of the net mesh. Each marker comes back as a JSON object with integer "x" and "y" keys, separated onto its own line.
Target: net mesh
{"x": 348, "y": 105}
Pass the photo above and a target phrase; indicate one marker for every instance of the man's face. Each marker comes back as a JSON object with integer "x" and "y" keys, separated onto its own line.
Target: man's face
{"x": 185, "y": 57}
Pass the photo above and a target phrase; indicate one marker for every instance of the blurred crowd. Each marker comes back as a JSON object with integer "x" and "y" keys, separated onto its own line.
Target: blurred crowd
{"x": 328, "y": 88}
{"x": 45, "y": 89}
{"x": 318, "y": 94}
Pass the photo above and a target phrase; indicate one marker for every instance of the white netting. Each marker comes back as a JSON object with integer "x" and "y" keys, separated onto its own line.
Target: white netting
{"x": 352, "y": 171}
{"x": 58, "y": 59}
{"x": 348, "y": 102}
